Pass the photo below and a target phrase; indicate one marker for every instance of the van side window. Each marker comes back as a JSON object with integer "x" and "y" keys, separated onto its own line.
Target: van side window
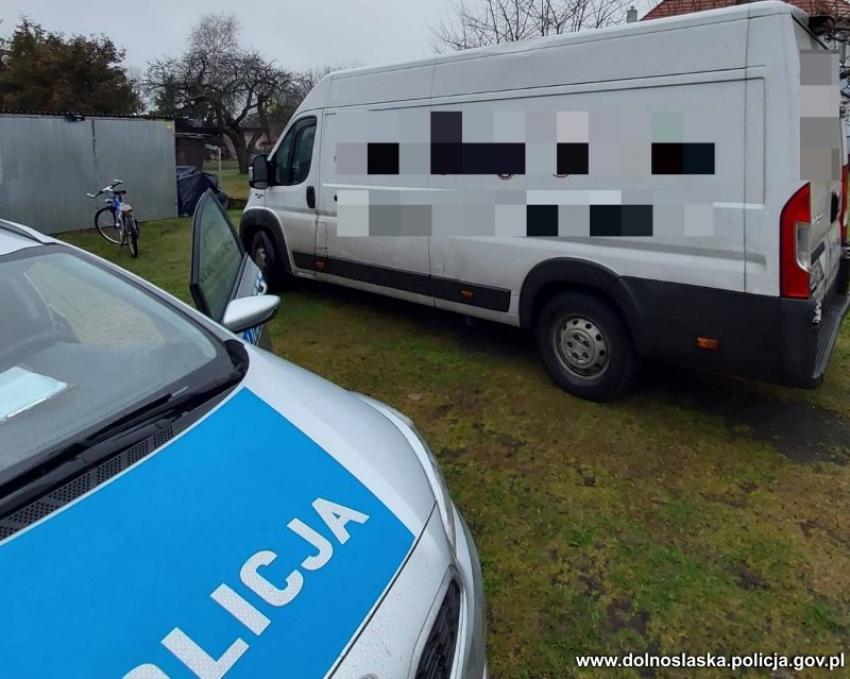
{"x": 281, "y": 158}
{"x": 293, "y": 156}
{"x": 302, "y": 154}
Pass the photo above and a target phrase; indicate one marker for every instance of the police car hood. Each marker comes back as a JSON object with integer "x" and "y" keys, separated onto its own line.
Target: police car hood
{"x": 256, "y": 543}
{"x": 350, "y": 430}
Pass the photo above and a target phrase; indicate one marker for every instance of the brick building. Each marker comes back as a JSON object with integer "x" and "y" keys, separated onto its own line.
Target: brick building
{"x": 666, "y": 8}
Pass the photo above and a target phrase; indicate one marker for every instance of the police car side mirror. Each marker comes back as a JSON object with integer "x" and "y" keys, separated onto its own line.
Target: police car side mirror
{"x": 244, "y": 313}
{"x": 258, "y": 172}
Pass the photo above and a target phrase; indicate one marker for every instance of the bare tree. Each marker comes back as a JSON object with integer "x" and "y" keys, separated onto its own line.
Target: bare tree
{"x": 219, "y": 83}
{"x": 478, "y": 23}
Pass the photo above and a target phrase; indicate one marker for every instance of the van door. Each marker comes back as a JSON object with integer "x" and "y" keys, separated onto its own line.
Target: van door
{"x": 291, "y": 193}
{"x": 373, "y": 225}
{"x": 221, "y": 270}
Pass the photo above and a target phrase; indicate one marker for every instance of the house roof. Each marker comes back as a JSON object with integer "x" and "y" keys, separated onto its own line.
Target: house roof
{"x": 667, "y": 8}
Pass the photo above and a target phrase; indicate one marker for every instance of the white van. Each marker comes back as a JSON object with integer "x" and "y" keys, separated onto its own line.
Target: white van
{"x": 670, "y": 189}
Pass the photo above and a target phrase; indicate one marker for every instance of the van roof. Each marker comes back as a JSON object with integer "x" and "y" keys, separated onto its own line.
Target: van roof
{"x": 319, "y": 95}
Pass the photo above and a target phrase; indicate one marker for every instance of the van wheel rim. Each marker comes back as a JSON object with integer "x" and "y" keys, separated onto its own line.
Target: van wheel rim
{"x": 261, "y": 258}
{"x": 582, "y": 348}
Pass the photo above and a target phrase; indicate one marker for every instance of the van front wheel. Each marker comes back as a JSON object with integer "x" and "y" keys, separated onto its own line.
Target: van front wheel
{"x": 585, "y": 346}
{"x": 268, "y": 259}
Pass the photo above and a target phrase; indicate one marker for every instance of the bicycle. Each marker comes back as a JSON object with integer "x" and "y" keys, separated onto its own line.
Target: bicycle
{"x": 116, "y": 222}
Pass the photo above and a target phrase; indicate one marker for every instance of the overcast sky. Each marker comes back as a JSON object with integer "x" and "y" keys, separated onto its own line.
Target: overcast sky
{"x": 298, "y": 35}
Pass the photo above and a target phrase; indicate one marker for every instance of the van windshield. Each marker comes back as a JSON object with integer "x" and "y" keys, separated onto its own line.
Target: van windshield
{"x": 80, "y": 345}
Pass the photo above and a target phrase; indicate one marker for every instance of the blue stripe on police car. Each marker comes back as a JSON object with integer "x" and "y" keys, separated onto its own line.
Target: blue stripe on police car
{"x": 240, "y": 549}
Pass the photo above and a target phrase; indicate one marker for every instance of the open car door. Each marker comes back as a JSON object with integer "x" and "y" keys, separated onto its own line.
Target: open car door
{"x": 221, "y": 270}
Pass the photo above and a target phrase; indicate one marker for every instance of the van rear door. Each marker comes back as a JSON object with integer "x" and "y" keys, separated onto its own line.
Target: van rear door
{"x": 821, "y": 160}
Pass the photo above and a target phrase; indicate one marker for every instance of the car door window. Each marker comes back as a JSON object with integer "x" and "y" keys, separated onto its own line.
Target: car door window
{"x": 293, "y": 156}
{"x": 216, "y": 259}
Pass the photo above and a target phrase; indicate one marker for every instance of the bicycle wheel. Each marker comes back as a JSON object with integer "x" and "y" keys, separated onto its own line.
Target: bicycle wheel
{"x": 132, "y": 229}
{"x": 104, "y": 222}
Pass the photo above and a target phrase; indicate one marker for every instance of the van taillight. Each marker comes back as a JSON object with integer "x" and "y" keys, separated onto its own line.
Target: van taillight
{"x": 795, "y": 216}
{"x": 843, "y": 211}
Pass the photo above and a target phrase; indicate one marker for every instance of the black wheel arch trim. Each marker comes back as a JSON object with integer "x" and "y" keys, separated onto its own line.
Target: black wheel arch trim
{"x": 569, "y": 271}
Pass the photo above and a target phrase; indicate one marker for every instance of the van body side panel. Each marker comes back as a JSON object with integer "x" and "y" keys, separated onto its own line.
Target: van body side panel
{"x": 761, "y": 219}
{"x": 366, "y": 87}
{"x": 772, "y": 67}
{"x": 696, "y": 225}
{"x": 368, "y": 243}
{"x": 646, "y": 51}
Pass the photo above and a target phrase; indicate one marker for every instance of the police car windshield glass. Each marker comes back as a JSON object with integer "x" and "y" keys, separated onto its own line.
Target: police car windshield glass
{"x": 79, "y": 346}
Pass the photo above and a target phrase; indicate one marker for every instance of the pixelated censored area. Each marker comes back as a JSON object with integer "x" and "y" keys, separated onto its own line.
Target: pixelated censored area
{"x": 820, "y": 125}
{"x": 621, "y": 220}
{"x": 541, "y": 221}
{"x": 680, "y": 158}
{"x": 572, "y": 158}
{"x": 382, "y": 158}
{"x": 446, "y": 127}
{"x": 504, "y": 156}
{"x": 449, "y": 215}
{"x": 495, "y": 158}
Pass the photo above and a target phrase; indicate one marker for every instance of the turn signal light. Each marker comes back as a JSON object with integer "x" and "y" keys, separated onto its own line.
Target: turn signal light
{"x": 708, "y": 343}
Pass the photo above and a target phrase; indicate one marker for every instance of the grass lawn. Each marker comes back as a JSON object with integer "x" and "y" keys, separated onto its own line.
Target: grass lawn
{"x": 696, "y": 514}
{"x": 232, "y": 183}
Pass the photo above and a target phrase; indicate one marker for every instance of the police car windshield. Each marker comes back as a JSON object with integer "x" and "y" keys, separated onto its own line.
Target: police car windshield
{"x": 79, "y": 345}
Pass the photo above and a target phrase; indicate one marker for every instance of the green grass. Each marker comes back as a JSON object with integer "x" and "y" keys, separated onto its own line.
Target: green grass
{"x": 232, "y": 183}
{"x": 684, "y": 517}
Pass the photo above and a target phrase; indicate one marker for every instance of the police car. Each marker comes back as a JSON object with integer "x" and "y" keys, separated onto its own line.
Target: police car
{"x": 176, "y": 502}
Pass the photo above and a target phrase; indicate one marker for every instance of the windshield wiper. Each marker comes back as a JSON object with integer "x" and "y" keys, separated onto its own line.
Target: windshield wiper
{"x": 119, "y": 434}
{"x": 170, "y": 405}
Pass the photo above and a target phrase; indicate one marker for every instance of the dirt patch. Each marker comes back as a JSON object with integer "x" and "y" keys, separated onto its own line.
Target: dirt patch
{"x": 798, "y": 430}
{"x": 809, "y": 526}
{"x": 750, "y": 579}
{"x": 734, "y": 501}
{"x": 588, "y": 575}
{"x": 620, "y": 614}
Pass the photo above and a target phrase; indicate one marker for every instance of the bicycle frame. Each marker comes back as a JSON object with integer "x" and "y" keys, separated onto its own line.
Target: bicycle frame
{"x": 115, "y": 204}
{"x": 123, "y": 219}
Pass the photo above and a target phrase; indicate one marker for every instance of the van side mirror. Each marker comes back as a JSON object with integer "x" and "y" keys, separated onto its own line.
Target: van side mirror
{"x": 258, "y": 172}
{"x": 244, "y": 313}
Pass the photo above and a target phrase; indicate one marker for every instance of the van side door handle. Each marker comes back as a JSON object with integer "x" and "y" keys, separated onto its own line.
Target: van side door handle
{"x": 311, "y": 197}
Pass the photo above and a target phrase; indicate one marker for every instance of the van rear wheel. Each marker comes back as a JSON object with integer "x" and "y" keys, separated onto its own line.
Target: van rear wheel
{"x": 585, "y": 346}
{"x": 268, "y": 260}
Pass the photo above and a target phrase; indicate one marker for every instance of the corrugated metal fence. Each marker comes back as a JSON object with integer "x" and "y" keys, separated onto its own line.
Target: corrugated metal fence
{"x": 47, "y": 163}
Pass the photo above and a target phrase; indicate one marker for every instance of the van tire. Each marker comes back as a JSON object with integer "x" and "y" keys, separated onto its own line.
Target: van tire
{"x": 585, "y": 346}
{"x": 266, "y": 256}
